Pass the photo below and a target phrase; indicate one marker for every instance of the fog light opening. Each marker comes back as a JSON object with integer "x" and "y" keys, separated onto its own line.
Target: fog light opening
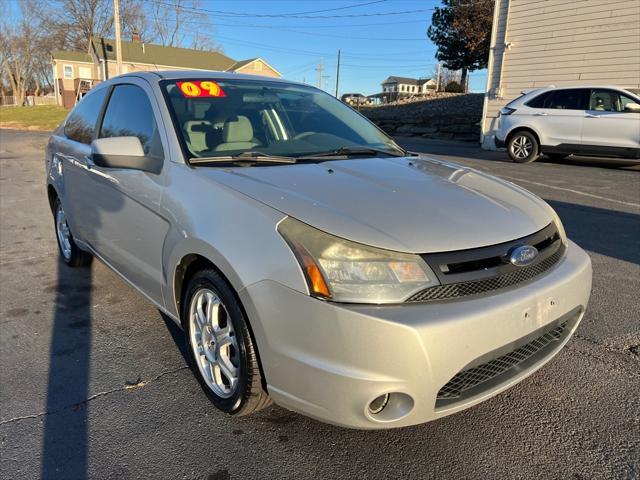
{"x": 378, "y": 404}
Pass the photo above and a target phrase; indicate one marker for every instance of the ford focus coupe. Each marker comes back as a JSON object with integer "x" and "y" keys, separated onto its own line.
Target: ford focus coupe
{"x": 310, "y": 260}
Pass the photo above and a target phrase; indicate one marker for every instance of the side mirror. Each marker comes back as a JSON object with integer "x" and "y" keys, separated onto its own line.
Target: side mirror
{"x": 632, "y": 107}
{"x": 123, "y": 152}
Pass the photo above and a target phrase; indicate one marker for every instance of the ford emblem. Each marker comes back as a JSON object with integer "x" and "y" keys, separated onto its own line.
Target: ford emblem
{"x": 523, "y": 255}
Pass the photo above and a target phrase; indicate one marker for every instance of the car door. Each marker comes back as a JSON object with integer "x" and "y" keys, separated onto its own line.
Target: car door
{"x": 72, "y": 158}
{"x": 559, "y": 116}
{"x": 609, "y": 129}
{"x": 127, "y": 227}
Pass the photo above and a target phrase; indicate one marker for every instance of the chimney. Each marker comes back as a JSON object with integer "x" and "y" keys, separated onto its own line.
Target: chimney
{"x": 135, "y": 36}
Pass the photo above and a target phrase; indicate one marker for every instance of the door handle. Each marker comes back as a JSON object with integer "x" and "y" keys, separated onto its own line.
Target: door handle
{"x": 540, "y": 114}
{"x": 590, "y": 115}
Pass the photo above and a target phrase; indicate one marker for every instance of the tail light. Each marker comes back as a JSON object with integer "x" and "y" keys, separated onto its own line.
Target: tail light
{"x": 507, "y": 111}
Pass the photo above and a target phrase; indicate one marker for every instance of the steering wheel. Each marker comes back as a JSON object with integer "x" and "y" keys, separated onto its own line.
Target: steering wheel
{"x": 302, "y": 135}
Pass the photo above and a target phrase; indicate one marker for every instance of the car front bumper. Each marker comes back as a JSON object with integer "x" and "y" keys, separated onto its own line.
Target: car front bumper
{"x": 329, "y": 361}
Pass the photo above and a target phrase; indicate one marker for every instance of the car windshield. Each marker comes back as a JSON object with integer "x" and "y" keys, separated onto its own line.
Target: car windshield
{"x": 221, "y": 118}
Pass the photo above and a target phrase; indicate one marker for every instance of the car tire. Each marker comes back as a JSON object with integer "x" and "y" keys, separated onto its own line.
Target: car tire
{"x": 523, "y": 147}
{"x": 70, "y": 253}
{"x": 221, "y": 346}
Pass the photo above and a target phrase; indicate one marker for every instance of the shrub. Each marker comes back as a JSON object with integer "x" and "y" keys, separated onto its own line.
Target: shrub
{"x": 454, "y": 87}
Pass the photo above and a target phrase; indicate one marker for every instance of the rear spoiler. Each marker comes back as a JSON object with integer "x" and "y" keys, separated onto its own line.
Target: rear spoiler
{"x": 529, "y": 90}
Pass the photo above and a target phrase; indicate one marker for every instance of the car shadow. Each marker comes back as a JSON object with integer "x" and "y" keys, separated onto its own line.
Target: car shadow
{"x": 177, "y": 335}
{"x": 65, "y": 449}
{"x": 607, "y": 232}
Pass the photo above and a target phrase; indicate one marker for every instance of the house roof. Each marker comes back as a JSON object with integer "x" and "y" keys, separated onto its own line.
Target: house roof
{"x": 71, "y": 56}
{"x": 138, "y": 52}
{"x": 242, "y": 63}
{"x": 407, "y": 80}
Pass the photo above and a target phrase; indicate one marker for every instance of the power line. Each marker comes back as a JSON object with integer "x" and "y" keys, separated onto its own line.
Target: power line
{"x": 226, "y": 13}
{"x": 300, "y": 32}
{"x": 338, "y": 8}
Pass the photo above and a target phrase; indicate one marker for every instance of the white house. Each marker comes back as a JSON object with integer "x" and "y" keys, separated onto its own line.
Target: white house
{"x": 397, "y": 87}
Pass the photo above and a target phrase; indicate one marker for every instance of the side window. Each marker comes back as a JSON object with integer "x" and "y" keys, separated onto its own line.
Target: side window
{"x": 81, "y": 124}
{"x": 539, "y": 101}
{"x": 570, "y": 99}
{"x": 608, "y": 101}
{"x": 129, "y": 114}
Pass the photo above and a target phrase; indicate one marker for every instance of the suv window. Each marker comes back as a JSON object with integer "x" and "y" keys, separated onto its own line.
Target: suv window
{"x": 81, "y": 124}
{"x": 129, "y": 114}
{"x": 608, "y": 100}
{"x": 567, "y": 99}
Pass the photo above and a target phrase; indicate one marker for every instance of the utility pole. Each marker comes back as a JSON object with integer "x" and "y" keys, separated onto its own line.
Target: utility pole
{"x": 438, "y": 77}
{"x": 338, "y": 73}
{"x": 116, "y": 20}
{"x": 319, "y": 70}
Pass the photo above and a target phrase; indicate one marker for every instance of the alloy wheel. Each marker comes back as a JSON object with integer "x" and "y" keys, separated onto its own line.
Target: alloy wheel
{"x": 63, "y": 232}
{"x": 214, "y": 343}
{"x": 521, "y": 147}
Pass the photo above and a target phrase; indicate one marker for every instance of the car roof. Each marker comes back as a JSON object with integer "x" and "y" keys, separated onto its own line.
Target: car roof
{"x": 564, "y": 87}
{"x": 157, "y": 75}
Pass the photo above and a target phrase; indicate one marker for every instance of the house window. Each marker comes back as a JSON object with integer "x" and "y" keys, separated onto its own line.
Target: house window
{"x": 68, "y": 71}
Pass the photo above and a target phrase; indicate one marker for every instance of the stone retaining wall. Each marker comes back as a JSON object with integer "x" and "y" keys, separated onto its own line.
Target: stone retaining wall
{"x": 446, "y": 116}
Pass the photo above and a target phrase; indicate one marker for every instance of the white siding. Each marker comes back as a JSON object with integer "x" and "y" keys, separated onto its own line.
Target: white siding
{"x": 560, "y": 42}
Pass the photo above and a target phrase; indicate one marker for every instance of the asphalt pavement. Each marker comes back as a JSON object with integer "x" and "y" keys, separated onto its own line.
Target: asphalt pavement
{"x": 93, "y": 380}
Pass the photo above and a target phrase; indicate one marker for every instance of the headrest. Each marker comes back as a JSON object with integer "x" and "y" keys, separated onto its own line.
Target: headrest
{"x": 238, "y": 129}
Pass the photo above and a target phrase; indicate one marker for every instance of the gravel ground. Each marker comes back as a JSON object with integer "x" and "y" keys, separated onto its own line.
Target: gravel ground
{"x": 93, "y": 380}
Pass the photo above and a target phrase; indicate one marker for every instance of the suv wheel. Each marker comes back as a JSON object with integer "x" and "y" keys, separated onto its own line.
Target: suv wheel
{"x": 523, "y": 147}
{"x": 69, "y": 251}
{"x": 220, "y": 346}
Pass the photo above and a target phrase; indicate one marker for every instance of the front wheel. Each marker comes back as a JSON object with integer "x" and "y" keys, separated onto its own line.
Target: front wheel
{"x": 523, "y": 147}
{"x": 220, "y": 346}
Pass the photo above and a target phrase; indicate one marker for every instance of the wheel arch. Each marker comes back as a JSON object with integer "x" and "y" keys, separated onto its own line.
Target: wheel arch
{"x": 189, "y": 265}
{"x": 523, "y": 128}
{"x": 52, "y": 195}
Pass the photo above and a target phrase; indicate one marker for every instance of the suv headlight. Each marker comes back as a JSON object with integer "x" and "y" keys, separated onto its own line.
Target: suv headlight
{"x": 345, "y": 271}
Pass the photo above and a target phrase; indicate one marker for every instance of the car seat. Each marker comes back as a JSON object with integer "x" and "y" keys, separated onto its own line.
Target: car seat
{"x": 196, "y": 134}
{"x": 237, "y": 134}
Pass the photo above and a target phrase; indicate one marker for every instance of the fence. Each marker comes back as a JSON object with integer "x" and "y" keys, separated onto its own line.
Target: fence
{"x": 9, "y": 100}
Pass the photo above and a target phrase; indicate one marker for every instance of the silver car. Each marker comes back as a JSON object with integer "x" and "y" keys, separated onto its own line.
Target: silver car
{"x": 312, "y": 261}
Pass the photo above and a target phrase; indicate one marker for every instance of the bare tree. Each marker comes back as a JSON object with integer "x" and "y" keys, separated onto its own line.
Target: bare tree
{"x": 177, "y": 23}
{"x": 19, "y": 42}
{"x": 72, "y": 23}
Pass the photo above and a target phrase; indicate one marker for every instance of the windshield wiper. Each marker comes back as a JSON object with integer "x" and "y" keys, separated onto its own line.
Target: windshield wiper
{"x": 352, "y": 151}
{"x": 244, "y": 157}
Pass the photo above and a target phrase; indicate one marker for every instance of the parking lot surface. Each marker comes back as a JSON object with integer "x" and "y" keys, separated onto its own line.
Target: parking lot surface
{"x": 93, "y": 381}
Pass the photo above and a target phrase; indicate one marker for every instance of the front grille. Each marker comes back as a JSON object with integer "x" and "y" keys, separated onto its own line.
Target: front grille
{"x": 463, "y": 289}
{"x": 473, "y": 377}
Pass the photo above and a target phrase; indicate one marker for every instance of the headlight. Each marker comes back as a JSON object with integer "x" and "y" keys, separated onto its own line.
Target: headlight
{"x": 559, "y": 226}
{"x": 345, "y": 271}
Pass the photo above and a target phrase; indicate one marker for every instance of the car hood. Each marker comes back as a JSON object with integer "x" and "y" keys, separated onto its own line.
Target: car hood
{"x": 416, "y": 205}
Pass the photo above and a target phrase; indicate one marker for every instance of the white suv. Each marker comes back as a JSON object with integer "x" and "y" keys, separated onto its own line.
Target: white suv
{"x": 560, "y": 121}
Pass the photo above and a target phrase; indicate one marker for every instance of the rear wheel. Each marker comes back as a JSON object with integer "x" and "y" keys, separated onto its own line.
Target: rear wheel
{"x": 220, "y": 346}
{"x": 523, "y": 147}
{"x": 69, "y": 251}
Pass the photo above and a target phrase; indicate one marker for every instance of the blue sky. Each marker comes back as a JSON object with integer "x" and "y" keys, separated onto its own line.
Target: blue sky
{"x": 375, "y": 37}
{"x": 372, "y": 47}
